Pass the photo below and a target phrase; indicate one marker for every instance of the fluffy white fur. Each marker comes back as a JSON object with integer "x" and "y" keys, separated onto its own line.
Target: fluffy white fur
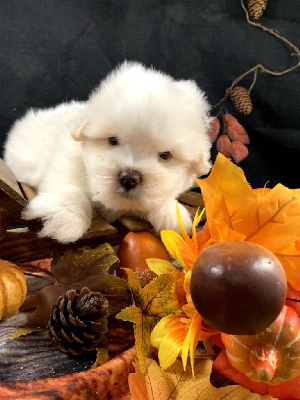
{"x": 65, "y": 152}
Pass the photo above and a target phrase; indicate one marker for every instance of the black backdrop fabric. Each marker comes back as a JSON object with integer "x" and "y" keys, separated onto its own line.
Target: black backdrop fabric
{"x": 57, "y": 50}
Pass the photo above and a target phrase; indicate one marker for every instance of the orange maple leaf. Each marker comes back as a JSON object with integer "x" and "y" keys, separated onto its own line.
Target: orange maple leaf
{"x": 235, "y": 212}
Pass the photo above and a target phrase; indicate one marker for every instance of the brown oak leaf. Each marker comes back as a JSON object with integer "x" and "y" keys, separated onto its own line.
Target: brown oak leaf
{"x": 80, "y": 268}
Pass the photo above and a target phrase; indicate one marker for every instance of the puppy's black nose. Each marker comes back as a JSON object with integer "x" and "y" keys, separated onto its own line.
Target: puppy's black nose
{"x": 129, "y": 179}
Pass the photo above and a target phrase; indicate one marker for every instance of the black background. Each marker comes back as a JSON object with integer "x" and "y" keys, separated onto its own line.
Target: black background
{"x": 57, "y": 50}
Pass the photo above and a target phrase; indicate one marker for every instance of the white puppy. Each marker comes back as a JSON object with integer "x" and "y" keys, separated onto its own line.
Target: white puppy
{"x": 132, "y": 148}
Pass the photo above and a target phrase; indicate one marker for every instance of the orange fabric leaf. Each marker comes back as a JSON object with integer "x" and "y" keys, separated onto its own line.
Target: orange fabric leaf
{"x": 235, "y": 212}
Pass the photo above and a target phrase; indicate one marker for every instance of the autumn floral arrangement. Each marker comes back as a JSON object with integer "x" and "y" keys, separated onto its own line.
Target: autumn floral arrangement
{"x": 227, "y": 303}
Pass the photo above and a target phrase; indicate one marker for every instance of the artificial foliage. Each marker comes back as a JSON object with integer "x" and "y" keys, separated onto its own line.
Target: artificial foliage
{"x": 150, "y": 304}
{"x": 78, "y": 268}
{"x": 180, "y": 384}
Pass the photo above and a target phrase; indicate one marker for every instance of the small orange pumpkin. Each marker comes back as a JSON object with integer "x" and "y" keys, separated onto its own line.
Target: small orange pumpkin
{"x": 272, "y": 356}
{"x": 135, "y": 249}
{"x": 13, "y": 289}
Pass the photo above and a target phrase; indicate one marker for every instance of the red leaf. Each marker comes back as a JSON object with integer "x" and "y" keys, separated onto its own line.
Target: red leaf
{"x": 214, "y": 129}
{"x": 224, "y": 145}
{"x": 238, "y": 151}
{"x": 229, "y": 119}
{"x": 235, "y": 130}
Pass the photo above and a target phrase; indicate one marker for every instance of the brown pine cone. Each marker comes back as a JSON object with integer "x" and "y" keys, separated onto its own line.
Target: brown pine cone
{"x": 256, "y": 8}
{"x": 79, "y": 321}
{"x": 241, "y": 100}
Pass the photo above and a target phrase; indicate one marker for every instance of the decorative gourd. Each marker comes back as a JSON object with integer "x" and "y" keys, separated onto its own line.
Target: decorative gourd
{"x": 271, "y": 356}
{"x": 13, "y": 289}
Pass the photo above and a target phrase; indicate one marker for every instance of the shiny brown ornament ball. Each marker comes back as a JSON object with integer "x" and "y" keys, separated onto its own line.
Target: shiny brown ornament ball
{"x": 238, "y": 287}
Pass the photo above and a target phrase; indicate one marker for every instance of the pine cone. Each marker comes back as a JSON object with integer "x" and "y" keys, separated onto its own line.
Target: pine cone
{"x": 256, "y": 8}
{"x": 241, "y": 100}
{"x": 79, "y": 321}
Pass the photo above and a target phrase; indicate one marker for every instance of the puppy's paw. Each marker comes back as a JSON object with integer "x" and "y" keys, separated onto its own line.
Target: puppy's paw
{"x": 62, "y": 220}
{"x": 166, "y": 218}
{"x": 65, "y": 227}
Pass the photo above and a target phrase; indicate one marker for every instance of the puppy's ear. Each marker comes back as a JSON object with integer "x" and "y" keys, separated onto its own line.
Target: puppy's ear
{"x": 78, "y": 134}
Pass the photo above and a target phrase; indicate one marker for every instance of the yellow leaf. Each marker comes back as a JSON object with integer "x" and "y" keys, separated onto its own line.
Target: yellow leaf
{"x": 22, "y": 332}
{"x": 102, "y": 357}
{"x": 175, "y": 383}
{"x": 151, "y": 303}
{"x": 143, "y": 325}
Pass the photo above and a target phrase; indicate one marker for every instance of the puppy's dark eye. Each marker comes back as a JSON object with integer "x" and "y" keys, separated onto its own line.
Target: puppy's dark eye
{"x": 165, "y": 155}
{"x": 113, "y": 140}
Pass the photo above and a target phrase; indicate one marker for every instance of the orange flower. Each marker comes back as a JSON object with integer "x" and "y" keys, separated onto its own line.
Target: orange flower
{"x": 180, "y": 333}
{"x": 181, "y": 247}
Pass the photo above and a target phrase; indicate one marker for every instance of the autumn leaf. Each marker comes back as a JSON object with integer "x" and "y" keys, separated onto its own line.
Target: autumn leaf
{"x": 80, "y": 268}
{"x": 174, "y": 383}
{"x": 102, "y": 357}
{"x": 235, "y": 212}
{"x": 151, "y": 303}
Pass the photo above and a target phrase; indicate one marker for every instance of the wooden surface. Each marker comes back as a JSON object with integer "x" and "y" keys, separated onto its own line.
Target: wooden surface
{"x": 27, "y": 360}
{"x": 11, "y": 197}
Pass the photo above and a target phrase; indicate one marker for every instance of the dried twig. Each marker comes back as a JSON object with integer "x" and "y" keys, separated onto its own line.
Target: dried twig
{"x": 260, "y": 67}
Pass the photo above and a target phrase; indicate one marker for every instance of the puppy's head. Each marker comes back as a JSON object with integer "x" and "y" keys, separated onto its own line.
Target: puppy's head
{"x": 144, "y": 137}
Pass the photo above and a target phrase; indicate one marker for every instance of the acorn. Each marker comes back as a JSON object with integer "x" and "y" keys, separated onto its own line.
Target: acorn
{"x": 135, "y": 249}
{"x": 238, "y": 287}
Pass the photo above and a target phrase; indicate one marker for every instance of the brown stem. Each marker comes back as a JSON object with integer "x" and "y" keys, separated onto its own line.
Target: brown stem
{"x": 273, "y": 32}
{"x": 253, "y": 82}
{"x": 260, "y": 67}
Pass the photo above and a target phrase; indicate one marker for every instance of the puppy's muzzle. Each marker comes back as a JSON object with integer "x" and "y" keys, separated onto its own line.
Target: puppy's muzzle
{"x": 129, "y": 179}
